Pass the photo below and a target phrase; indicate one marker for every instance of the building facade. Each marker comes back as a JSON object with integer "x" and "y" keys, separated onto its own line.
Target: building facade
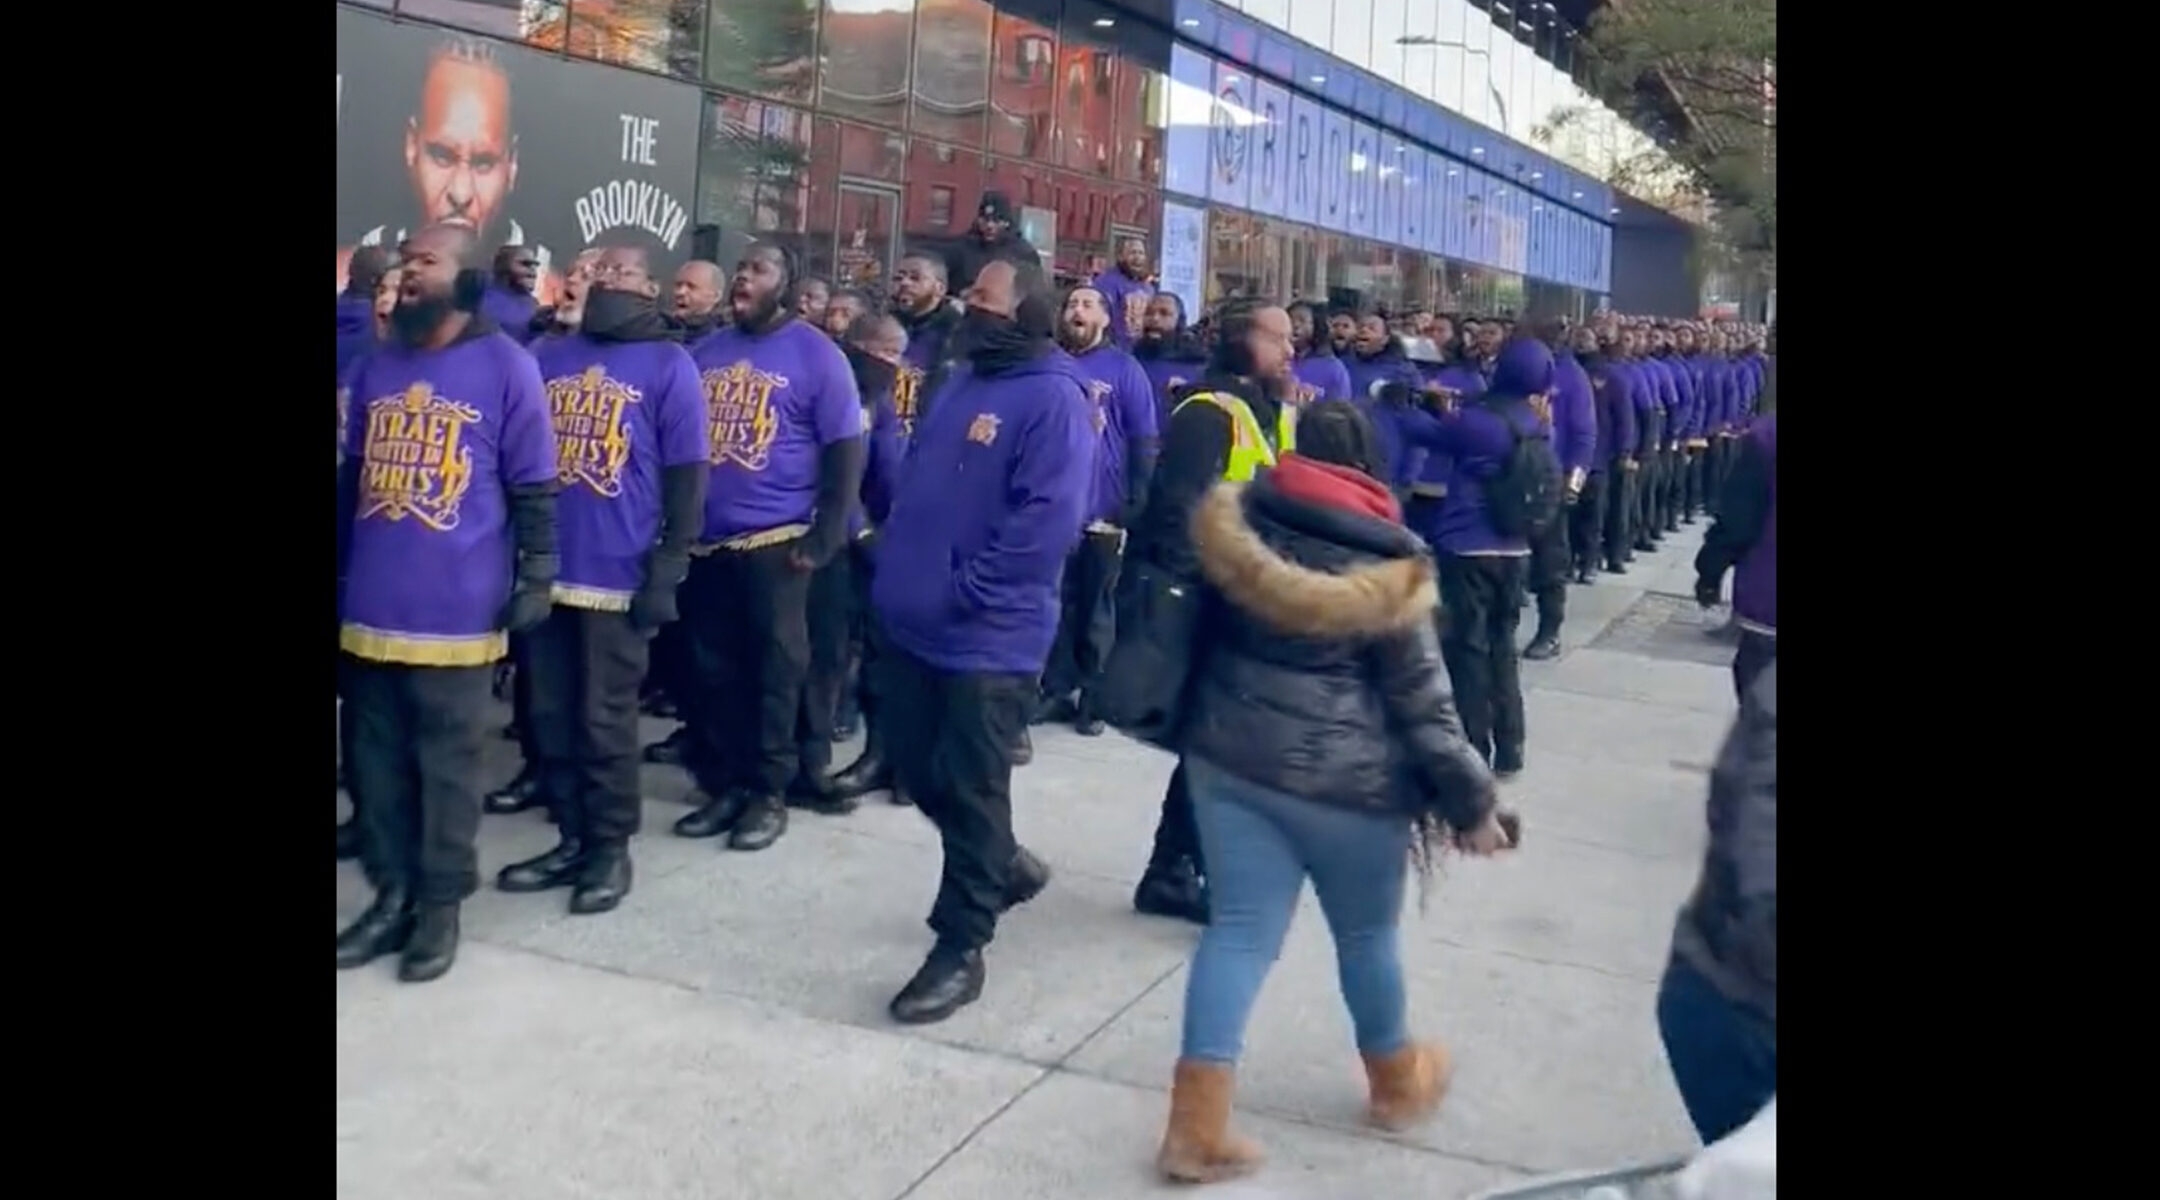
{"x": 1256, "y": 151}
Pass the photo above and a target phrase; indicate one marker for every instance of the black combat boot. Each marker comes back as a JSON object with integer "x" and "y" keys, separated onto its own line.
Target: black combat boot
{"x": 948, "y": 981}
{"x": 558, "y": 868}
{"x": 713, "y": 815}
{"x": 384, "y": 928}
{"x": 432, "y": 949}
{"x": 603, "y": 880}
{"x": 762, "y": 822}
{"x": 517, "y": 795}
{"x": 868, "y": 773}
{"x": 1025, "y": 879}
{"x": 669, "y": 751}
{"x": 1173, "y": 889}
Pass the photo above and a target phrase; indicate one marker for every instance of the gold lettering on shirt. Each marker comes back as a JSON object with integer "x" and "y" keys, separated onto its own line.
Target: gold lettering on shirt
{"x": 741, "y": 420}
{"x": 592, "y": 433}
{"x": 1136, "y": 311}
{"x": 907, "y": 396}
{"x": 414, "y": 458}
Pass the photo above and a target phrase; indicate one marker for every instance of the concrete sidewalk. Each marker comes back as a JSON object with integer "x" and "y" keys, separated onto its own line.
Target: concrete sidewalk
{"x": 723, "y": 1035}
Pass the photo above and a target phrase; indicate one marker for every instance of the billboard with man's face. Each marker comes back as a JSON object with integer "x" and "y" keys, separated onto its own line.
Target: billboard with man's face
{"x": 437, "y": 126}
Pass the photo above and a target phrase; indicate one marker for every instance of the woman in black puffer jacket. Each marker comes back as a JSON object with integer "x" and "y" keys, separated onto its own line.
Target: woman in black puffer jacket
{"x": 1319, "y": 741}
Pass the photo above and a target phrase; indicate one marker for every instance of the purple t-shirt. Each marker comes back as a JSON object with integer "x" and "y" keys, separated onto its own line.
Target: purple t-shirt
{"x": 1127, "y": 299}
{"x": 439, "y": 435}
{"x": 1123, "y": 404}
{"x": 1320, "y": 377}
{"x": 622, "y": 411}
{"x": 772, "y": 403}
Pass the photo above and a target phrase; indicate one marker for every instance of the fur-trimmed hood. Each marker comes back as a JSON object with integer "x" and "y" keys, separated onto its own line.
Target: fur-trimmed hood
{"x": 1391, "y": 589}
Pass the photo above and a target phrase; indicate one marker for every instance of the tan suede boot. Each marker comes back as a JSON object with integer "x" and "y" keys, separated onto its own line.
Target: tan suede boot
{"x": 1198, "y": 1146}
{"x": 1407, "y": 1085}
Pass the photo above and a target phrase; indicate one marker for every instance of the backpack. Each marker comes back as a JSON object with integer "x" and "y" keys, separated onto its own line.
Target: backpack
{"x": 1523, "y": 496}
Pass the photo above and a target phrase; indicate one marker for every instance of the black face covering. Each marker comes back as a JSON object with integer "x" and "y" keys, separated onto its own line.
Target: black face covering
{"x": 998, "y": 343}
{"x": 619, "y": 316}
{"x": 874, "y": 376}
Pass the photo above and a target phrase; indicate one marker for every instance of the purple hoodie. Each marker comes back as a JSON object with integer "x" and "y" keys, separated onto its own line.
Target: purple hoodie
{"x": 1615, "y": 399}
{"x": 1320, "y": 377}
{"x": 1478, "y": 438}
{"x": 993, "y": 498}
{"x": 1469, "y": 384}
{"x": 1575, "y": 424}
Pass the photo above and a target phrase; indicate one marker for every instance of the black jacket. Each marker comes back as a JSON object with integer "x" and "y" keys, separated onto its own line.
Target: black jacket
{"x": 1195, "y": 450}
{"x": 1728, "y": 930}
{"x": 1320, "y": 673}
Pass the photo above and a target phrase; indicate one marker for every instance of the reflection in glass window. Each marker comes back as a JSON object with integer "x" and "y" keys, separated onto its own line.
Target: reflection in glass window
{"x": 1269, "y": 12}
{"x": 1527, "y": 64}
{"x": 754, "y": 175}
{"x": 1313, "y": 22}
{"x": 1351, "y": 35}
{"x": 943, "y": 184}
{"x": 952, "y": 69}
{"x": 1023, "y": 74}
{"x": 1420, "y": 56}
{"x": 764, "y": 47}
{"x": 1450, "y": 48}
{"x": 1388, "y": 52}
{"x": 1477, "y": 67}
{"x": 865, "y": 53}
{"x": 1500, "y": 100}
{"x": 513, "y": 20}
{"x": 1143, "y": 116}
{"x": 1086, "y": 96}
{"x": 651, "y": 35}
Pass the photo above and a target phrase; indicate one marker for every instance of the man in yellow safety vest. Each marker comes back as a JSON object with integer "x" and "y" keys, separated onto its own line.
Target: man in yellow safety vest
{"x": 1231, "y": 424}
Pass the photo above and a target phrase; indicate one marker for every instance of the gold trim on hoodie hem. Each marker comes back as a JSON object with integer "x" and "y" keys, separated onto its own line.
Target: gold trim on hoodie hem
{"x": 423, "y": 649}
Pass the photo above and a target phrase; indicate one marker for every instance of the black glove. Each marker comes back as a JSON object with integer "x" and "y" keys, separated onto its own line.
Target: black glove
{"x": 654, "y": 604}
{"x": 532, "y": 527}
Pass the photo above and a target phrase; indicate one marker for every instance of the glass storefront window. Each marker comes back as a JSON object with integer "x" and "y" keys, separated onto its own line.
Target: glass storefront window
{"x": 943, "y": 185}
{"x": 1313, "y": 22}
{"x": 755, "y": 173}
{"x": 527, "y": 21}
{"x": 1350, "y": 36}
{"x": 1389, "y": 55}
{"x": 651, "y": 35}
{"x": 952, "y": 70}
{"x": 764, "y": 47}
{"x": 1087, "y": 96}
{"x": 1023, "y": 75}
{"x": 1500, "y": 105}
{"x": 1269, "y": 12}
{"x": 866, "y": 51}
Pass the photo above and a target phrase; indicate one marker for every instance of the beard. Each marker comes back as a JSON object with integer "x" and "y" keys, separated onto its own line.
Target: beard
{"x": 413, "y": 320}
{"x": 762, "y": 313}
{"x": 1076, "y": 340}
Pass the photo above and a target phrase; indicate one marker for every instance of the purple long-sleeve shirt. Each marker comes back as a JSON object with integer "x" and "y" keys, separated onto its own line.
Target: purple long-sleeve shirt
{"x": 1575, "y": 425}
{"x": 1615, "y": 396}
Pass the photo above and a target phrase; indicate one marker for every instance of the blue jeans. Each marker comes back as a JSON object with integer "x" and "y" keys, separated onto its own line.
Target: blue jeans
{"x": 1260, "y": 846}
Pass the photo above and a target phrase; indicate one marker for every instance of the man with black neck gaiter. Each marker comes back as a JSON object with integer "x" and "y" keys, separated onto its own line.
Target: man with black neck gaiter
{"x": 1249, "y": 380}
{"x": 966, "y": 600}
{"x": 446, "y": 543}
{"x": 1122, "y": 410}
{"x": 784, "y": 431}
{"x": 630, "y": 439}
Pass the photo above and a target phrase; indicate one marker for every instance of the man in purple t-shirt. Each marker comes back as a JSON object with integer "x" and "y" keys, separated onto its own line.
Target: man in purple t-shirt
{"x": 446, "y": 546}
{"x": 784, "y": 428}
{"x": 629, "y": 426}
